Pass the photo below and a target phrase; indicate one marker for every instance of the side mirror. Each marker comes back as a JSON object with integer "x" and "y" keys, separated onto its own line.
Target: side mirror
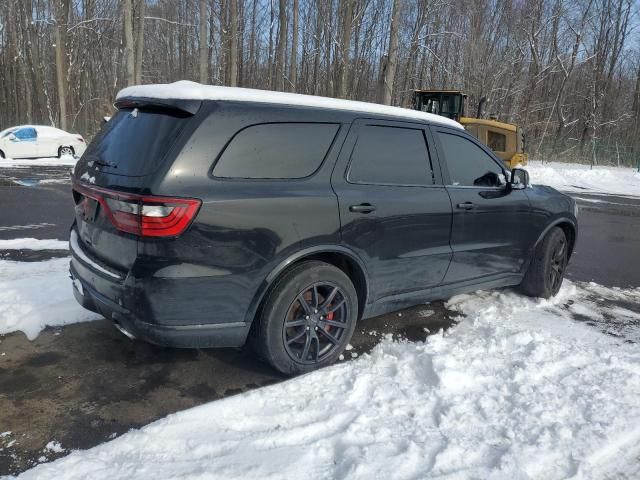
{"x": 519, "y": 179}
{"x": 12, "y": 137}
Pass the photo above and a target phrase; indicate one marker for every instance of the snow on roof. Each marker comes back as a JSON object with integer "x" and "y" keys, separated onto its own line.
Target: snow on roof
{"x": 186, "y": 90}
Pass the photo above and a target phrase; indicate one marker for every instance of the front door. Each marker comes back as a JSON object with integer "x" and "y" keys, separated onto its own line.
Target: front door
{"x": 490, "y": 232}
{"x": 394, "y": 211}
{"x": 25, "y": 143}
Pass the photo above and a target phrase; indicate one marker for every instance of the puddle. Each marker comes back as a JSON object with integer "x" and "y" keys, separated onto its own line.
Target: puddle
{"x": 27, "y": 182}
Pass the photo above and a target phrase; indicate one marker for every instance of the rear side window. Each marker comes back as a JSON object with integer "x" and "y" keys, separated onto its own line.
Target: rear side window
{"x": 134, "y": 141}
{"x": 276, "y": 151}
{"x": 390, "y": 156}
{"x": 468, "y": 164}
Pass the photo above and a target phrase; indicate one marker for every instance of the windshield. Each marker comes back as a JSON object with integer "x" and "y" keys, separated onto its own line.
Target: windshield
{"x": 6, "y": 132}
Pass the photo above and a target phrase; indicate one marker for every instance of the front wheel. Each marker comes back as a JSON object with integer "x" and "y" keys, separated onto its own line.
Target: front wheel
{"x": 546, "y": 272}
{"x": 308, "y": 318}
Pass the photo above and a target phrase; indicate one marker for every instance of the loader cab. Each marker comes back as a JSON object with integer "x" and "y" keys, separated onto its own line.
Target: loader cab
{"x": 447, "y": 103}
{"x": 505, "y": 139}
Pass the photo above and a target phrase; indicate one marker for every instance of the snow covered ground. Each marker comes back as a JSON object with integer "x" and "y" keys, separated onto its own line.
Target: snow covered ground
{"x": 34, "y": 295}
{"x": 578, "y": 178}
{"x": 66, "y": 160}
{"x": 33, "y": 244}
{"x": 516, "y": 390}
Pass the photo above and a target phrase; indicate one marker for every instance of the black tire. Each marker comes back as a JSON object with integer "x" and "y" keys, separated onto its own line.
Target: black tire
{"x": 546, "y": 271}
{"x": 284, "y": 347}
{"x": 73, "y": 152}
{"x": 2, "y": 154}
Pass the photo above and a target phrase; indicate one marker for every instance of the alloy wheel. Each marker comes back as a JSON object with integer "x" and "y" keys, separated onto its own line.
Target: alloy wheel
{"x": 315, "y": 323}
{"x": 558, "y": 262}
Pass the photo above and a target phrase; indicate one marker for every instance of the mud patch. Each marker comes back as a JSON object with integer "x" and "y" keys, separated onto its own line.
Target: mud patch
{"x": 32, "y": 255}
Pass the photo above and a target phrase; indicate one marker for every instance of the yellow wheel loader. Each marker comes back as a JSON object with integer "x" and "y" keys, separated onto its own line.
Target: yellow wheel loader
{"x": 505, "y": 139}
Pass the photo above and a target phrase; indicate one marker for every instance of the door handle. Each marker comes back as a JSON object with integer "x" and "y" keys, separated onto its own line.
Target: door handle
{"x": 362, "y": 208}
{"x": 466, "y": 206}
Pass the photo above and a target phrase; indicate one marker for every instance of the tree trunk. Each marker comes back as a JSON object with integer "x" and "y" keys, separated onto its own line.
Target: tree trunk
{"x": 203, "y": 47}
{"x": 128, "y": 43}
{"x": 140, "y": 41}
{"x": 282, "y": 44}
{"x": 293, "y": 71}
{"x": 233, "y": 44}
{"x": 392, "y": 55}
{"x": 345, "y": 44}
{"x": 62, "y": 16}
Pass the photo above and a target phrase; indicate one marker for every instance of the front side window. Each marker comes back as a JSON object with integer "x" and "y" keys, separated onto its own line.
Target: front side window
{"x": 276, "y": 151}
{"x": 390, "y": 156}
{"x": 468, "y": 164}
{"x": 26, "y": 134}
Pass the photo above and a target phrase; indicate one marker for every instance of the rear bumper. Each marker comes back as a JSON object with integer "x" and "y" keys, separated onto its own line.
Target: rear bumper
{"x": 114, "y": 300}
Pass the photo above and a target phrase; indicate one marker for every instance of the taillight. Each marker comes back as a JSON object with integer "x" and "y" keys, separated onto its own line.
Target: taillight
{"x": 144, "y": 215}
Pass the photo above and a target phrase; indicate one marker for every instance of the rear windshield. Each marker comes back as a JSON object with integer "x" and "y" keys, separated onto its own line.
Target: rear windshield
{"x": 135, "y": 141}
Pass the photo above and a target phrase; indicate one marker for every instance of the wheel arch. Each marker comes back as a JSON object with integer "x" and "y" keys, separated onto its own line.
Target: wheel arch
{"x": 338, "y": 256}
{"x": 66, "y": 145}
{"x": 568, "y": 226}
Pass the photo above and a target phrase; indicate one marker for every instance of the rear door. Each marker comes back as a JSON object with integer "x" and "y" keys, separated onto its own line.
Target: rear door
{"x": 394, "y": 211}
{"x": 48, "y": 142}
{"x": 491, "y": 231}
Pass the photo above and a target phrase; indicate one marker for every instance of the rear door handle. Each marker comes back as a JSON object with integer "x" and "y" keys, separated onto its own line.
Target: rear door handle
{"x": 466, "y": 206}
{"x": 362, "y": 208}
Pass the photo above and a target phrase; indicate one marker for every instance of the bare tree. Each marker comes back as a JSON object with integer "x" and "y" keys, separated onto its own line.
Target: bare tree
{"x": 281, "y": 45}
{"x": 391, "y": 60}
{"x": 233, "y": 44}
{"x": 62, "y": 17}
{"x": 139, "y": 40}
{"x": 202, "y": 45}
{"x": 345, "y": 44}
{"x": 293, "y": 69}
{"x": 128, "y": 42}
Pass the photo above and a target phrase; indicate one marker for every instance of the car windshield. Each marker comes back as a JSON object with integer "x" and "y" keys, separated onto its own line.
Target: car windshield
{"x": 6, "y": 132}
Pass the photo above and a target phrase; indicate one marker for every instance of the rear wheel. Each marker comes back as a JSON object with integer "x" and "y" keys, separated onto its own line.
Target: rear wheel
{"x": 2, "y": 154}
{"x": 65, "y": 151}
{"x": 546, "y": 272}
{"x": 308, "y": 318}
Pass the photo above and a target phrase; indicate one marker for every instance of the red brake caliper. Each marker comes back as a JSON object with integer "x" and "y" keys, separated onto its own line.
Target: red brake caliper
{"x": 329, "y": 317}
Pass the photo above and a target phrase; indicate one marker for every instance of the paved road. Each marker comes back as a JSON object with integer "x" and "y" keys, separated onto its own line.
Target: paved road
{"x": 87, "y": 383}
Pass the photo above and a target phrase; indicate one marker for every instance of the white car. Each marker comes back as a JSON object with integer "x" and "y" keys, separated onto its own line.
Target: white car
{"x": 32, "y": 141}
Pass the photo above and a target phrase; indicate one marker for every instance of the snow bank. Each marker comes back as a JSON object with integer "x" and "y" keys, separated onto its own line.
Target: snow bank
{"x": 33, "y": 244}
{"x": 66, "y": 160}
{"x": 515, "y": 391}
{"x": 186, "y": 90}
{"x": 34, "y": 295}
{"x": 578, "y": 178}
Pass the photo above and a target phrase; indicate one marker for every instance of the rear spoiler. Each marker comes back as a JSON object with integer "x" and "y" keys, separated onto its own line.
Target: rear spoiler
{"x": 186, "y": 106}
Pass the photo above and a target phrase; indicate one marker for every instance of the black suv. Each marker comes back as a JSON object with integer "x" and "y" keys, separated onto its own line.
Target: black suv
{"x": 206, "y": 216}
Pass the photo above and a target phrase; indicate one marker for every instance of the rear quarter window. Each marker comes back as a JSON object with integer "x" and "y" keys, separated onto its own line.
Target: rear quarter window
{"x": 276, "y": 151}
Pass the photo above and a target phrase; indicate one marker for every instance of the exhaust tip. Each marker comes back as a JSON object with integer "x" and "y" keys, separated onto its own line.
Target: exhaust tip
{"x": 124, "y": 331}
